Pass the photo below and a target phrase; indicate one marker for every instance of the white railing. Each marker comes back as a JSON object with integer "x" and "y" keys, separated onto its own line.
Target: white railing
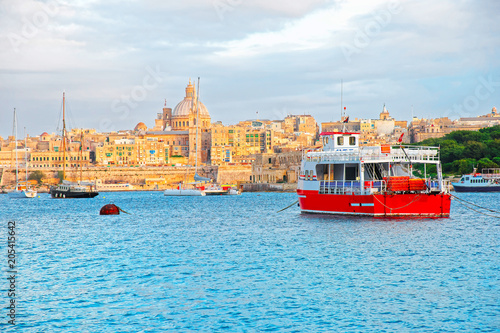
{"x": 413, "y": 153}
{"x": 372, "y": 187}
{"x": 351, "y": 187}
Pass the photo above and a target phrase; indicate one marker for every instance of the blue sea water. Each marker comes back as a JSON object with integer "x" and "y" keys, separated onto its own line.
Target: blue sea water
{"x": 232, "y": 263}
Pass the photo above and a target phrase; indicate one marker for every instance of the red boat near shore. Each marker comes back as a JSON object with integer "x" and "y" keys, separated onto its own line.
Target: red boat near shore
{"x": 378, "y": 181}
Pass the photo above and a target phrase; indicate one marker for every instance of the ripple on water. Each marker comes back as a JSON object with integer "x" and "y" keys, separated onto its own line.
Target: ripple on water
{"x": 233, "y": 263}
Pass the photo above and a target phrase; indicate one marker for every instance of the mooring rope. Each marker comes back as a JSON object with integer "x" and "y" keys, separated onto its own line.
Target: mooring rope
{"x": 470, "y": 203}
{"x": 121, "y": 210}
{"x": 287, "y": 207}
{"x": 477, "y": 211}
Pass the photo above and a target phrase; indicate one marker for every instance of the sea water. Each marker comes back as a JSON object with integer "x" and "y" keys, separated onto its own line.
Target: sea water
{"x": 232, "y": 263}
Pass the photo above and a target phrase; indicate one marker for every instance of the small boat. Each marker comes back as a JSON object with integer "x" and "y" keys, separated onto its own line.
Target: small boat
{"x": 70, "y": 190}
{"x": 488, "y": 181}
{"x": 27, "y": 192}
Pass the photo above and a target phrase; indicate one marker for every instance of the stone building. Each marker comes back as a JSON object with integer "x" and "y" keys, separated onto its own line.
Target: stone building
{"x": 177, "y": 130}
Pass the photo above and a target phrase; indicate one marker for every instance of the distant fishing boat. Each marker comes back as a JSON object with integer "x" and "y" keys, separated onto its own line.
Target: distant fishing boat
{"x": 27, "y": 192}
{"x": 489, "y": 181}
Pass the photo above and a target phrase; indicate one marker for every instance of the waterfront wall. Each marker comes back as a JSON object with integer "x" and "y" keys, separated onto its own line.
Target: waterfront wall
{"x": 269, "y": 187}
{"x": 146, "y": 177}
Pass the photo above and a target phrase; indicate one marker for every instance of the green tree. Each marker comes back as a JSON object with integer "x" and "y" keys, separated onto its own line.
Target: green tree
{"x": 60, "y": 176}
{"x": 463, "y": 166}
{"x": 486, "y": 163}
{"x": 464, "y": 136}
{"x": 37, "y": 175}
{"x": 475, "y": 150}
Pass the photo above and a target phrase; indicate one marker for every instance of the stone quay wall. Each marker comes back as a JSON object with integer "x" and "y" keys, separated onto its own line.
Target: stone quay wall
{"x": 142, "y": 177}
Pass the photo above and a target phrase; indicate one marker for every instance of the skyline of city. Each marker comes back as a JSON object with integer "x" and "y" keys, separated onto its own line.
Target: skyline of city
{"x": 118, "y": 64}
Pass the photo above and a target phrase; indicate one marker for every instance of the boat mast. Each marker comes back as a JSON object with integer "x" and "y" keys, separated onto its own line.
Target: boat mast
{"x": 341, "y": 105}
{"x": 64, "y": 138}
{"x": 26, "y": 156}
{"x": 15, "y": 146}
{"x": 341, "y": 93}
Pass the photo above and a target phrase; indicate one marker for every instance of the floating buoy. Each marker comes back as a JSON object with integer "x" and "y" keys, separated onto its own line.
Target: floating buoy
{"x": 109, "y": 209}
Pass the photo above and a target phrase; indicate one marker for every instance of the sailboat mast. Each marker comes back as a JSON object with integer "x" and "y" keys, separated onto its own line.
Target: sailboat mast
{"x": 64, "y": 138}
{"x": 15, "y": 146}
{"x": 26, "y": 156}
{"x": 197, "y": 125}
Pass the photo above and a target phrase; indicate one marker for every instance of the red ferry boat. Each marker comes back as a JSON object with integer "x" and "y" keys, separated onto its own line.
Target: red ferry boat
{"x": 343, "y": 178}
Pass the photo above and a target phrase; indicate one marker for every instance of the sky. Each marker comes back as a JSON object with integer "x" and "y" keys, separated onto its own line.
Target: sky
{"x": 118, "y": 61}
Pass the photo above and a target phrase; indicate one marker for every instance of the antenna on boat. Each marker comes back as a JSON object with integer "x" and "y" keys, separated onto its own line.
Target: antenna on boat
{"x": 341, "y": 93}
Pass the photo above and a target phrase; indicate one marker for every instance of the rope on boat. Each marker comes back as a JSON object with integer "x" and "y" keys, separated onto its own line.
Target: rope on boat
{"x": 466, "y": 203}
{"x": 287, "y": 207}
{"x": 391, "y": 209}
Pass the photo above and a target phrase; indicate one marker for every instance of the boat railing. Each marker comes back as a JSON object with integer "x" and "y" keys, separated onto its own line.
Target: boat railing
{"x": 491, "y": 173}
{"x": 351, "y": 187}
{"x": 377, "y": 186}
{"x": 369, "y": 153}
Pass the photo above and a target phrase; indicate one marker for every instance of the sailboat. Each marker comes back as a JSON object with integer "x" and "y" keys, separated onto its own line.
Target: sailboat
{"x": 27, "y": 192}
{"x": 68, "y": 189}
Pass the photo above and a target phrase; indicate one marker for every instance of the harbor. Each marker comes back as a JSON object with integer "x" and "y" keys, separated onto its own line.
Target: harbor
{"x": 233, "y": 263}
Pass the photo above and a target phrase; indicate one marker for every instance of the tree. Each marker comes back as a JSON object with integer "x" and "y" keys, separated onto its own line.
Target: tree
{"x": 60, "y": 176}
{"x": 475, "y": 150}
{"x": 486, "y": 163}
{"x": 463, "y": 166}
{"x": 37, "y": 175}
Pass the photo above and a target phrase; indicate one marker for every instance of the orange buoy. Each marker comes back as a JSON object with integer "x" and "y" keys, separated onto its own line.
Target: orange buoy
{"x": 109, "y": 209}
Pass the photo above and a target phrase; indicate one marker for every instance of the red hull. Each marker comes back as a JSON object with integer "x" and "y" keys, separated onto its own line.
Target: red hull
{"x": 377, "y": 205}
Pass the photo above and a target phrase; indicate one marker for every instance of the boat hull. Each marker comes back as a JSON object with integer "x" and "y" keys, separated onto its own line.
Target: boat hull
{"x": 22, "y": 194}
{"x": 465, "y": 188}
{"x": 187, "y": 192}
{"x": 376, "y": 205}
{"x": 57, "y": 194}
{"x": 216, "y": 192}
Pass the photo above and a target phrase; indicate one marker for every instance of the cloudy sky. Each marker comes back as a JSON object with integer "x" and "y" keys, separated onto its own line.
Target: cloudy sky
{"x": 118, "y": 61}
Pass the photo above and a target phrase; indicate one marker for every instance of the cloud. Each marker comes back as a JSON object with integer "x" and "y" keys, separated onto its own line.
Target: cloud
{"x": 258, "y": 55}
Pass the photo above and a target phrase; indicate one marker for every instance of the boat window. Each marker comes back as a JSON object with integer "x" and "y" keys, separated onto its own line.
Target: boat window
{"x": 326, "y": 140}
{"x": 306, "y": 174}
{"x": 352, "y": 141}
{"x": 466, "y": 178}
{"x": 340, "y": 141}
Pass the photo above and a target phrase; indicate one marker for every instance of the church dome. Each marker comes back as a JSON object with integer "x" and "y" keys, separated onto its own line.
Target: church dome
{"x": 184, "y": 107}
{"x": 140, "y": 127}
